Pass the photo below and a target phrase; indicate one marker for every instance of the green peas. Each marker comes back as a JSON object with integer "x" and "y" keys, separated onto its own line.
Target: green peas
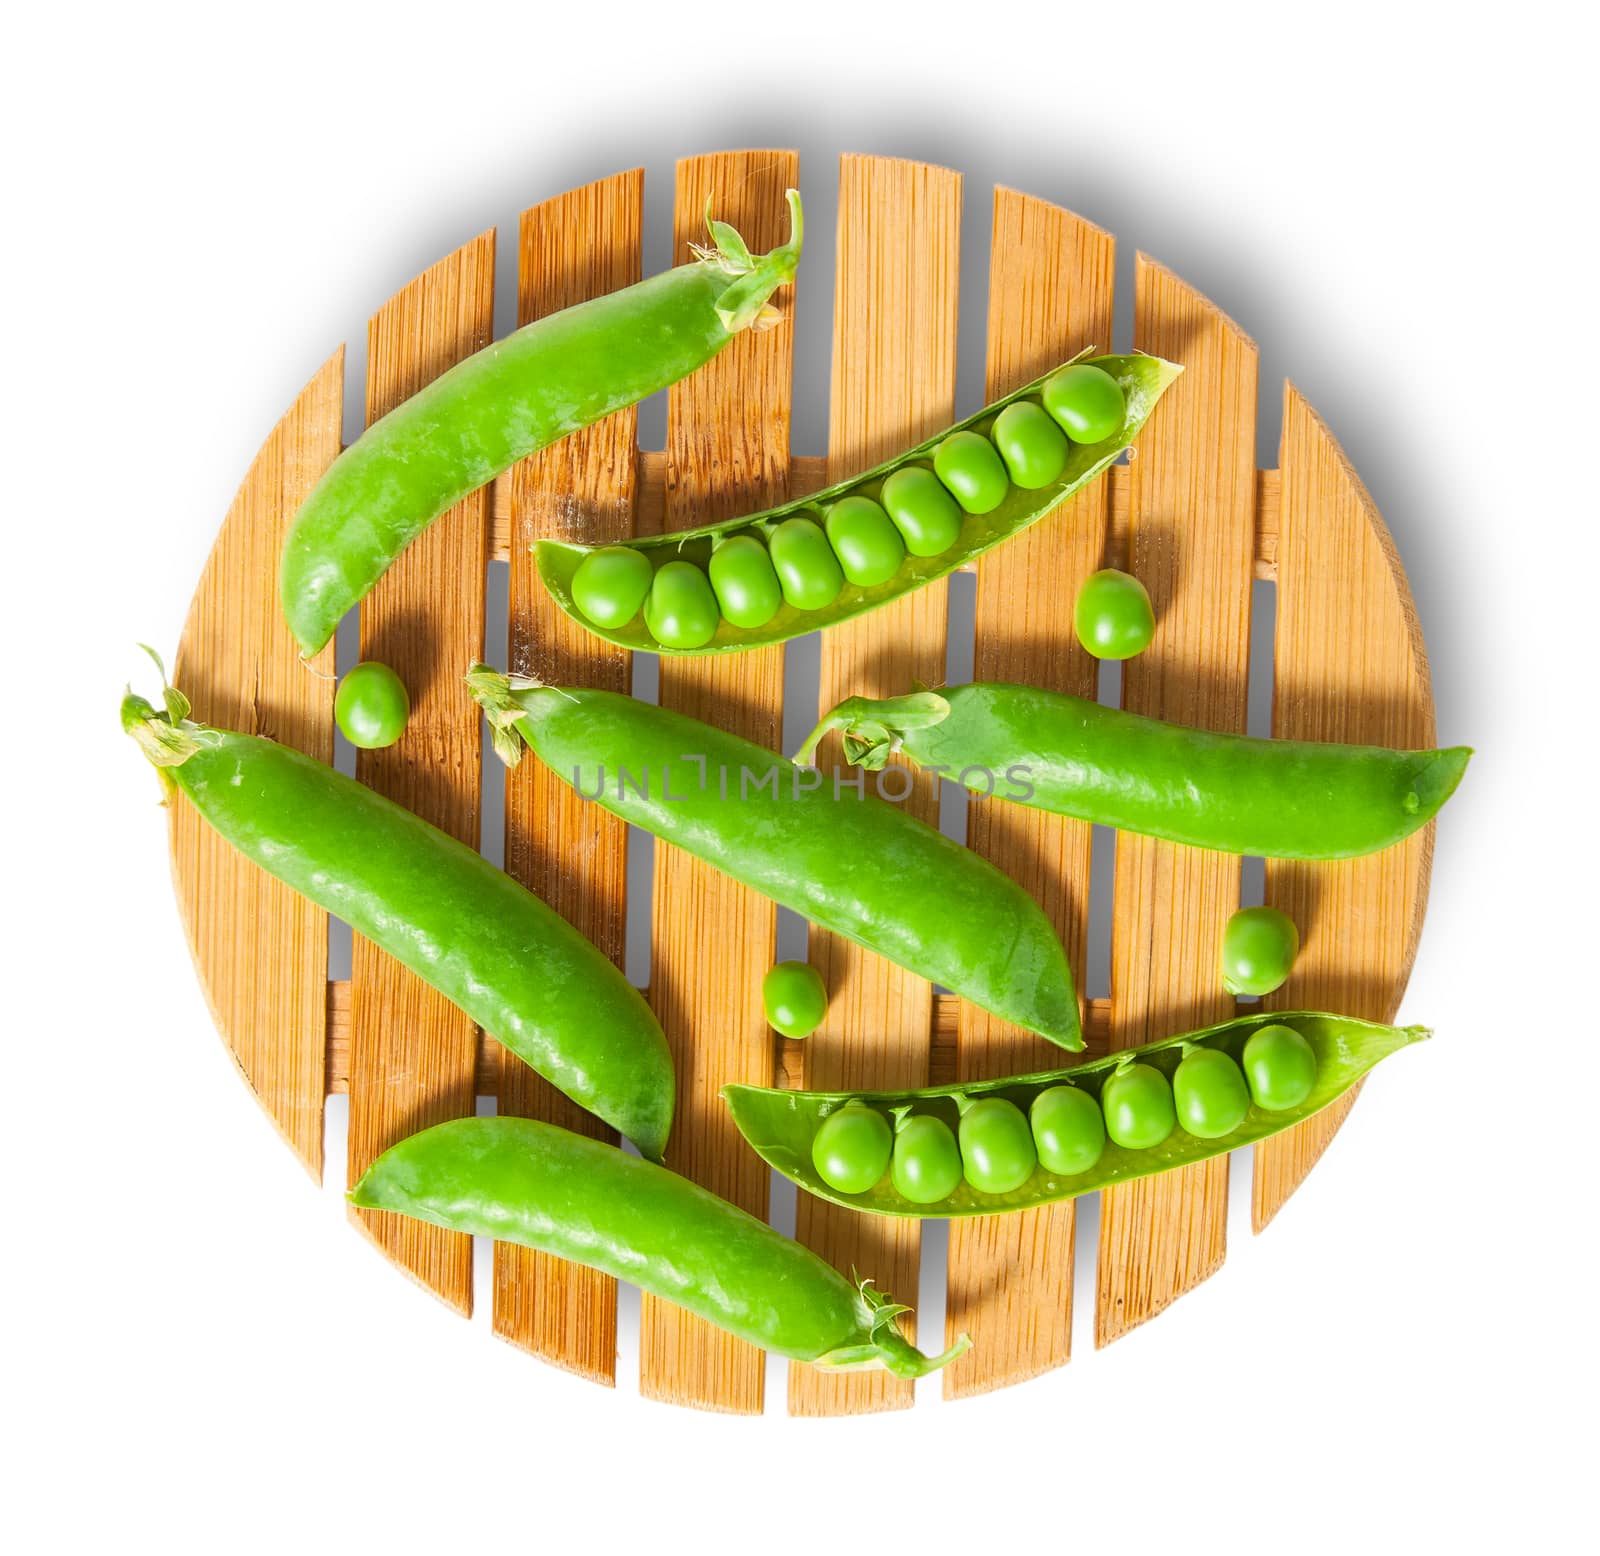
{"x": 997, "y": 1153}
{"x": 868, "y": 545}
{"x": 851, "y": 1151}
{"x": 807, "y": 567}
{"x": 744, "y": 581}
{"x": 967, "y": 463}
{"x": 927, "y": 1165}
{"x": 927, "y": 516}
{"x": 1113, "y": 616}
{"x": 1068, "y": 1129}
{"x": 371, "y": 706}
{"x": 1259, "y": 946}
{"x": 1034, "y": 448}
{"x": 1209, "y": 1093}
{"x": 1087, "y": 401}
{"x": 681, "y": 611}
{"x": 1281, "y": 1067}
{"x": 1138, "y": 1106}
{"x": 611, "y": 584}
{"x": 795, "y": 999}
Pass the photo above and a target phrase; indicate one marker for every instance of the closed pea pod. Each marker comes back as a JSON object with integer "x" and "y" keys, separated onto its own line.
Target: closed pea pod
{"x": 969, "y": 467}
{"x": 512, "y": 963}
{"x": 1311, "y": 1055}
{"x": 521, "y": 1181}
{"x": 744, "y": 581}
{"x": 869, "y": 547}
{"x": 1284, "y": 799}
{"x": 937, "y": 535}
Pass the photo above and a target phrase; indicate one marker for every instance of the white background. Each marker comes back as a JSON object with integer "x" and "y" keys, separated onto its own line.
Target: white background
{"x": 1398, "y": 207}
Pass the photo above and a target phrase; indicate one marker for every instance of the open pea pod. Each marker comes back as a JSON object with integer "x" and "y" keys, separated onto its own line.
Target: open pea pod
{"x": 1142, "y": 381}
{"x": 782, "y": 1125}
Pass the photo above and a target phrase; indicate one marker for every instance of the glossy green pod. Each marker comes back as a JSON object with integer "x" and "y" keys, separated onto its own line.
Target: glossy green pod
{"x": 1143, "y": 380}
{"x": 845, "y": 859}
{"x": 520, "y": 1181}
{"x": 512, "y": 963}
{"x": 781, "y": 1125}
{"x": 1282, "y": 799}
{"x": 512, "y": 398}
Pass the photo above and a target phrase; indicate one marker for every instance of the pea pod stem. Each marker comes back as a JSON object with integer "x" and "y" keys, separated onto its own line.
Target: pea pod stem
{"x": 512, "y": 398}
{"x": 1282, "y": 799}
{"x": 844, "y": 859}
{"x": 522, "y": 1181}
{"x": 519, "y": 969}
{"x": 782, "y": 1124}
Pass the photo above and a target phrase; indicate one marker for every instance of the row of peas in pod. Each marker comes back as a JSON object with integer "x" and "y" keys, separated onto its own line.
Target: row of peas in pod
{"x": 861, "y": 539}
{"x": 996, "y": 1146}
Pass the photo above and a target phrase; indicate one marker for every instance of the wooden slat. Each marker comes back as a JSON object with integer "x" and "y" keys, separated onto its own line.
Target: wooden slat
{"x": 894, "y": 367}
{"x": 1051, "y": 280}
{"x": 712, "y": 939}
{"x": 1349, "y": 665}
{"x": 413, "y": 1054}
{"x": 1192, "y": 542}
{"x": 580, "y": 245}
{"x": 261, "y": 951}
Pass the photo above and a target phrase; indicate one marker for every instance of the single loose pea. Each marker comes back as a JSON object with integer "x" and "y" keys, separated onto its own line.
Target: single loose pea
{"x": 1209, "y": 1093}
{"x": 1281, "y": 1067}
{"x": 744, "y": 581}
{"x": 795, "y": 998}
{"x": 868, "y": 545}
{"x": 681, "y": 611}
{"x": 1068, "y": 1129}
{"x": 1259, "y": 946}
{"x": 851, "y": 1150}
{"x": 611, "y": 584}
{"x": 1087, "y": 401}
{"x": 997, "y": 1153}
{"x": 1138, "y": 1107}
{"x": 927, "y": 516}
{"x": 967, "y": 463}
{"x": 371, "y": 706}
{"x": 927, "y": 1164}
{"x": 1113, "y": 616}
{"x": 807, "y": 568}
{"x": 1034, "y": 448}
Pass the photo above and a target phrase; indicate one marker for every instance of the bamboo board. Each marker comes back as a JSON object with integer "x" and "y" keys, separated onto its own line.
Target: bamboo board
{"x": 1191, "y": 514}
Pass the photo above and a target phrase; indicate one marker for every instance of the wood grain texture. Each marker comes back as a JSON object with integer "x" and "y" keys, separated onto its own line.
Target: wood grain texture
{"x": 894, "y": 367}
{"x": 711, "y": 938}
{"x": 1051, "y": 290}
{"x": 572, "y": 853}
{"x": 1191, "y": 540}
{"x": 260, "y": 949}
{"x": 413, "y": 1053}
{"x": 1349, "y": 665}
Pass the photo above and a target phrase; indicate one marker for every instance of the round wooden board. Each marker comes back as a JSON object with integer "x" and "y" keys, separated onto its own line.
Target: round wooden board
{"x": 1192, "y": 515}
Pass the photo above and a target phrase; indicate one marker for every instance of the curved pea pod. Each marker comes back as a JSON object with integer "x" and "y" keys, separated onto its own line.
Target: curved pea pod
{"x": 847, "y": 860}
{"x": 512, "y": 963}
{"x": 780, "y": 1125}
{"x": 512, "y": 398}
{"x": 1142, "y": 379}
{"x": 521, "y": 1181}
{"x": 1239, "y": 794}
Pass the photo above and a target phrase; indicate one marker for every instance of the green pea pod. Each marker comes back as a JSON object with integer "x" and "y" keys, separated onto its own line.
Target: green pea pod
{"x": 510, "y": 399}
{"x": 782, "y": 1125}
{"x": 519, "y": 969}
{"x": 521, "y": 1181}
{"x": 1142, "y": 379}
{"x": 1282, "y": 799}
{"x": 844, "y": 859}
